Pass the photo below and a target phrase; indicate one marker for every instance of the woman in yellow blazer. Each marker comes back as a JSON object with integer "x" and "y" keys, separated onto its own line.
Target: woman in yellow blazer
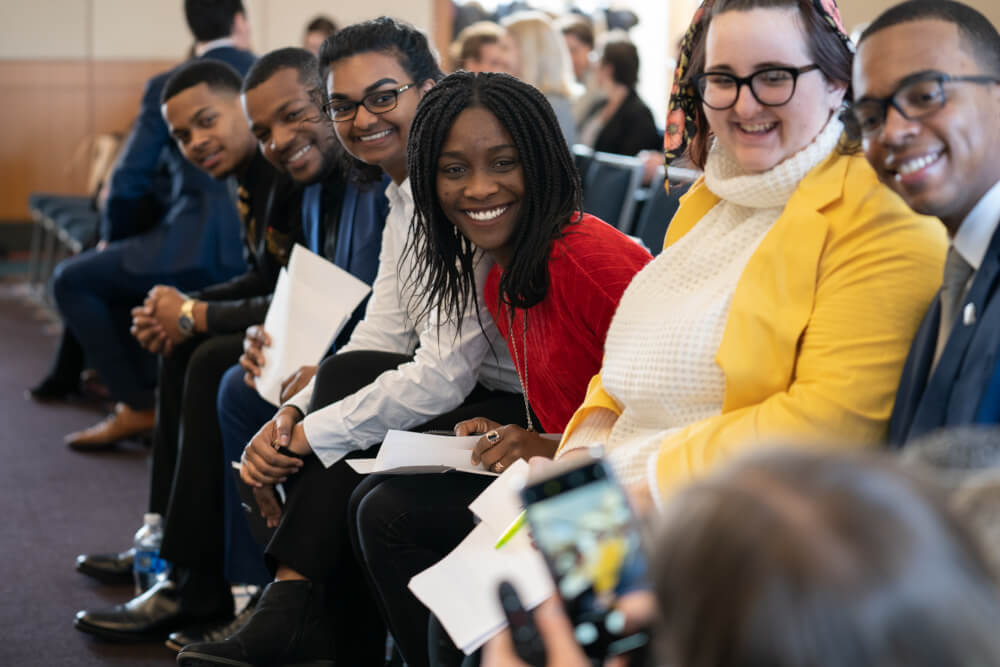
{"x": 791, "y": 282}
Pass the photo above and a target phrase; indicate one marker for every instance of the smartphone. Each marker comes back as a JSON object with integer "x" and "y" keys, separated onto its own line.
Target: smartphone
{"x": 527, "y": 641}
{"x": 582, "y": 523}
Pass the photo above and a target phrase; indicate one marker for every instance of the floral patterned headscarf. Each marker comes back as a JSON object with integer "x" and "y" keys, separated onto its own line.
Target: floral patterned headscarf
{"x": 684, "y": 102}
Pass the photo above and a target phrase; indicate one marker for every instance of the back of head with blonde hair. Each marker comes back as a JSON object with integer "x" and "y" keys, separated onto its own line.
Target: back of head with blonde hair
{"x": 544, "y": 57}
{"x": 471, "y": 40}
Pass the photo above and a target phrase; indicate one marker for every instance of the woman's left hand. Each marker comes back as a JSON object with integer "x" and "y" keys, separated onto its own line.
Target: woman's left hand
{"x": 501, "y": 446}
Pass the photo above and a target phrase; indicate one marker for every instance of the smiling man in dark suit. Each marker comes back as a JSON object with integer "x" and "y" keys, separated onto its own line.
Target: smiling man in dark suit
{"x": 929, "y": 120}
{"x": 194, "y": 242}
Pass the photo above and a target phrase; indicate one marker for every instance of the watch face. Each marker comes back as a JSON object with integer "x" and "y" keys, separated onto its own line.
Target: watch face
{"x": 186, "y": 325}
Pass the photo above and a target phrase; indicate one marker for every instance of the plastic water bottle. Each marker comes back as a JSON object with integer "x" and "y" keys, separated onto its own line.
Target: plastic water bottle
{"x": 148, "y": 567}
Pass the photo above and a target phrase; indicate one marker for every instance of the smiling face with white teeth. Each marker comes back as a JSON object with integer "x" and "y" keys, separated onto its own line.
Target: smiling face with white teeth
{"x": 742, "y": 42}
{"x": 945, "y": 162}
{"x": 294, "y": 133}
{"x": 480, "y": 182}
{"x": 377, "y": 139}
{"x": 210, "y": 129}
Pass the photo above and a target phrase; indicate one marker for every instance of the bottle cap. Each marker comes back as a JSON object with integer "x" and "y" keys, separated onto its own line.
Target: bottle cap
{"x": 151, "y": 519}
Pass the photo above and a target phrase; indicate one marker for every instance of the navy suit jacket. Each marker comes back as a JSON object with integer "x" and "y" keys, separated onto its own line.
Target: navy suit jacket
{"x": 199, "y": 233}
{"x": 956, "y": 393}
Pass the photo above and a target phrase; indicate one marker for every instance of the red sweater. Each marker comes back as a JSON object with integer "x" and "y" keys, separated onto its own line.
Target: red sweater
{"x": 589, "y": 269}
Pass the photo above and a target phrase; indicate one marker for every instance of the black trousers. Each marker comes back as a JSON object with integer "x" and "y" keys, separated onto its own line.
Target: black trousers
{"x": 186, "y": 480}
{"x": 312, "y": 537}
{"x": 403, "y": 524}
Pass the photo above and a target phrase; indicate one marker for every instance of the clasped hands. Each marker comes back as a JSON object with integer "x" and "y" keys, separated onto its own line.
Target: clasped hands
{"x": 154, "y": 323}
{"x": 262, "y": 465}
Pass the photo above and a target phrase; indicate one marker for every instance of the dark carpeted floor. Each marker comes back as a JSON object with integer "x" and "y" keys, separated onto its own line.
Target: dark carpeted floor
{"x": 55, "y": 504}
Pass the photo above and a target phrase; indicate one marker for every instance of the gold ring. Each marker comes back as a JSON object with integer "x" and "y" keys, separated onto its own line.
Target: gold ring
{"x": 498, "y": 466}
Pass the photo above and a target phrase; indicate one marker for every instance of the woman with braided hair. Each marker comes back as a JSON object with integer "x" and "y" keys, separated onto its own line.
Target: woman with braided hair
{"x": 401, "y": 369}
{"x": 492, "y": 179}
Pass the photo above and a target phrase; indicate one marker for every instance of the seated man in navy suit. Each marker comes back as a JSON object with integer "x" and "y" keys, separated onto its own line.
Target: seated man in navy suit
{"x": 929, "y": 121}
{"x": 338, "y": 219}
{"x": 196, "y": 241}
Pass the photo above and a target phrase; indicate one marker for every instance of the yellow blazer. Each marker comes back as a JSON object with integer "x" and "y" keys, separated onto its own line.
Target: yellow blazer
{"x": 820, "y": 323}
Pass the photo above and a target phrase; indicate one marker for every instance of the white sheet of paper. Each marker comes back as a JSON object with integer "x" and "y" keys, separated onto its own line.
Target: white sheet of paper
{"x": 312, "y": 302}
{"x": 500, "y": 503}
{"x": 407, "y": 452}
{"x": 461, "y": 589}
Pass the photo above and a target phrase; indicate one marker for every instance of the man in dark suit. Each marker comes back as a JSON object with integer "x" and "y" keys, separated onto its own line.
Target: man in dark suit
{"x": 929, "y": 120}
{"x": 195, "y": 242}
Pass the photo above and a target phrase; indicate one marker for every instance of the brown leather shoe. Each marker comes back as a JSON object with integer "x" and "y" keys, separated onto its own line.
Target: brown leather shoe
{"x": 123, "y": 423}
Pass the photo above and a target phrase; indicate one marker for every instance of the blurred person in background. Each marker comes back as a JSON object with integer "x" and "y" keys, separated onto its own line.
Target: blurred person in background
{"x": 541, "y": 58}
{"x": 578, "y": 32}
{"x": 316, "y": 32}
{"x": 482, "y": 47}
{"x": 621, "y": 123}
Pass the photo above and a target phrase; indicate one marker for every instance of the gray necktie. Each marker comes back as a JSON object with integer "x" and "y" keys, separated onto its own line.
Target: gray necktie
{"x": 956, "y": 276}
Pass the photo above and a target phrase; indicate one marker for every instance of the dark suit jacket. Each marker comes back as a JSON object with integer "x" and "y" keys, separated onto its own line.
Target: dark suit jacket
{"x": 954, "y": 392}
{"x": 357, "y": 223}
{"x": 629, "y": 130}
{"x": 198, "y": 234}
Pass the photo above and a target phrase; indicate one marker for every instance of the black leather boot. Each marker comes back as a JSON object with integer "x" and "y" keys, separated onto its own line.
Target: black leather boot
{"x": 290, "y": 626}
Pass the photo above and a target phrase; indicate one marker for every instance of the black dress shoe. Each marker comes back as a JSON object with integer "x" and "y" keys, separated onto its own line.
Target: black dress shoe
{"x": 52, "y": 389}
{"x": 150, "y": 616}
{"x": 213, "y": 632}
{"x": 109, "y": 568}
{"x": 290, "y": 626}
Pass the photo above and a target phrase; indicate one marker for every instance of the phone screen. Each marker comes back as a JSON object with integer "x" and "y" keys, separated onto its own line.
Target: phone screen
{"x": 582, "y": 523}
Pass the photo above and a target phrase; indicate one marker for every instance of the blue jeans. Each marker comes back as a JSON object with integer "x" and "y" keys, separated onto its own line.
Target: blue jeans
{"x": 241, "y": 414}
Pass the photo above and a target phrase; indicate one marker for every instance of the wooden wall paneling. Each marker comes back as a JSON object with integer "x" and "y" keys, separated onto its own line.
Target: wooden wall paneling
{"x": 45, "y": 110}
{"x": 54, "y": 106}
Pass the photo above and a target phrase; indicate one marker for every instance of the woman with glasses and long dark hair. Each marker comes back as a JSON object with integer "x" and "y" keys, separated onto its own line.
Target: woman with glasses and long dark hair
{"x": 791, "y": 282}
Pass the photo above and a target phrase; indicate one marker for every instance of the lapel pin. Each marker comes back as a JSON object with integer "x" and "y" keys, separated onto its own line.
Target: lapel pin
{"x": 969, "y": 314}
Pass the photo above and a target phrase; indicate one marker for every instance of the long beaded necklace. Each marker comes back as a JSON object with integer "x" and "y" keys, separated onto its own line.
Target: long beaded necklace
{"x": 517, "y": 362}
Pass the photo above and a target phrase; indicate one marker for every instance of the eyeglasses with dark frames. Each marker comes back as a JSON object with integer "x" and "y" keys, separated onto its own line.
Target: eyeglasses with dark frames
{"x": 771, "y": 86}
{"x": 381, "y": 101}
{"x": 917, "y": 96}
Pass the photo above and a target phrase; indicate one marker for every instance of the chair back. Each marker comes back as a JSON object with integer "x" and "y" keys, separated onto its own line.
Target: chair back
{"x": 610, "y": 186}
{"x": 660, "y": 207}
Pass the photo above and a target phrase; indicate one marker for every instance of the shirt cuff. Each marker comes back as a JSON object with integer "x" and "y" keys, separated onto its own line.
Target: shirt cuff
{"x": 594, "y": 429}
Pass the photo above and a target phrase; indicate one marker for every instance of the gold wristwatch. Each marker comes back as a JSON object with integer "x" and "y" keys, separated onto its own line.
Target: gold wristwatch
{"x": 186, "y": 320}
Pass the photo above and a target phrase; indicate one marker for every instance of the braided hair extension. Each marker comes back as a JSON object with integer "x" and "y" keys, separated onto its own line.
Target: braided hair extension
{"x": 552, "y": 192}
{"x": 381, "y": 35}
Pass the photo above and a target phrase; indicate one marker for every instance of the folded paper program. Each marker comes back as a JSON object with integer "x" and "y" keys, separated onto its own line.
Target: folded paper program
{"x": 461, "y": 589}
{"x": 312, "y": 302}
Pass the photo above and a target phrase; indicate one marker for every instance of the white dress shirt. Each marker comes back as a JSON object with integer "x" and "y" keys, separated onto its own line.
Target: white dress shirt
{"x": 976, "y": 231}
{"x": 447, "y": 364}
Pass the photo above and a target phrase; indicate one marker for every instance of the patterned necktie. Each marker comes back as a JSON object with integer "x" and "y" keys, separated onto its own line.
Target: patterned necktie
{"x": 956, "y": 276}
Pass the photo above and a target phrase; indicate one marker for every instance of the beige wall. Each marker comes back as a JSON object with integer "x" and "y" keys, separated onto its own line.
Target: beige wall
{"x": 857, "y": 11}
{"x": 70, "y": 69}
{"x": 155, "y": 29}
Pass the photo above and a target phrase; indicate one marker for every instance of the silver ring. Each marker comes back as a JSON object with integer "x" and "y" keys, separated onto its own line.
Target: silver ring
{"x": 493, "y": 437}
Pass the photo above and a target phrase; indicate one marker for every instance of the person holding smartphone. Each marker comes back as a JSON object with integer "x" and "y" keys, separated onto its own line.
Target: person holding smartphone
{"x": 491, "y": 175}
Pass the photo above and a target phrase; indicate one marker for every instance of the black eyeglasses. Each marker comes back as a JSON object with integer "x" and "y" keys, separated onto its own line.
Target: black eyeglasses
{"x": 772, "y": 87}
{"x": 916, "y": 97}
{"x": 381, "y": 101}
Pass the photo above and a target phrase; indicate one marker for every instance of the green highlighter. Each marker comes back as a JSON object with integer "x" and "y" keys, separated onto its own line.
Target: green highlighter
{"x": 511, "y": 531}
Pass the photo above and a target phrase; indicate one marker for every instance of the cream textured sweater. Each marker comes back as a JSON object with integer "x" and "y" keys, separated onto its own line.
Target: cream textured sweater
{"x": 659, "y": 356}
